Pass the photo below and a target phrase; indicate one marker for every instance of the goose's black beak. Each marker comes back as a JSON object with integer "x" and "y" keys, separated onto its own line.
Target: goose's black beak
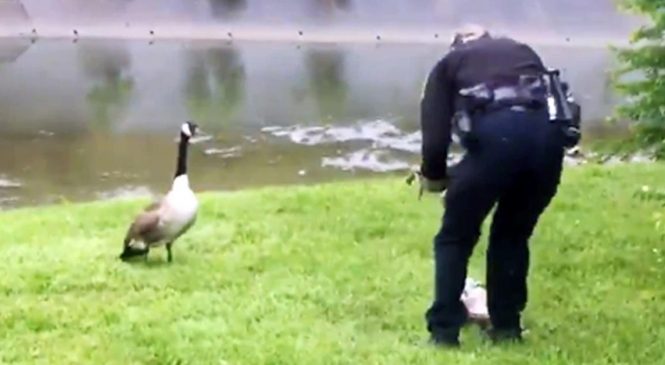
{"x": 129, "y": 253}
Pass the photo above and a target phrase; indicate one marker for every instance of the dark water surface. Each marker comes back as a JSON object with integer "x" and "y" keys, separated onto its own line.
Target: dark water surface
{"x": 98, "y": 119}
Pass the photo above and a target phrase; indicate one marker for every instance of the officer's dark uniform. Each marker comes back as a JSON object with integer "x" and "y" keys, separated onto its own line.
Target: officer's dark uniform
{"x": 514, "y": 159}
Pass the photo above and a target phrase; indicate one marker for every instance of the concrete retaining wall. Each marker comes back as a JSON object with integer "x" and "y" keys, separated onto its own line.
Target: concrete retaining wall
{"x": 554, "y": 21}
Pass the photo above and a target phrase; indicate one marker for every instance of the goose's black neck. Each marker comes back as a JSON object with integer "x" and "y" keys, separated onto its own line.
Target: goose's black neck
{"x": 181, "y": 168}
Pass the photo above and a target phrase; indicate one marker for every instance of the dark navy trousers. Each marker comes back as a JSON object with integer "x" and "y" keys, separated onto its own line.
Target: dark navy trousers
{"x": 513, "y": 162}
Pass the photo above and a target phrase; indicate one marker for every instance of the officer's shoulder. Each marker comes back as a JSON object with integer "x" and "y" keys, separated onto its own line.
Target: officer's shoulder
{"x": 453, "y": 56}
{"x": 442, "y": 63}
{"x": 437, "y": 73}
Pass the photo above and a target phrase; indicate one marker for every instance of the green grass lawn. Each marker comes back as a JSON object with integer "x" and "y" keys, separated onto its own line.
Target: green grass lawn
{"x": 330, "y": 274}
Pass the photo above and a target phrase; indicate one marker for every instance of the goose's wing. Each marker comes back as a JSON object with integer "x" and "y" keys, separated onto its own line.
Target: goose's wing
{"x": 155, "y": 205}
{"x": 146, "y": 225}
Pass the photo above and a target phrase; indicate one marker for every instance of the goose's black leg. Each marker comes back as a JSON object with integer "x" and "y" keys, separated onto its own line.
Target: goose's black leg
{"x": 169, "y": 255}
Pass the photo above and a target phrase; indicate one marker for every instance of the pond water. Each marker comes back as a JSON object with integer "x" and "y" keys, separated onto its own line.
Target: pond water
{"x": 97, "y": 119}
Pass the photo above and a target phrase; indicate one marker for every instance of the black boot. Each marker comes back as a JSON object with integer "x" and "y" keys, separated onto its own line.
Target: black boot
{"x": 505, "y": 335}
{"x": 445, "y": 339}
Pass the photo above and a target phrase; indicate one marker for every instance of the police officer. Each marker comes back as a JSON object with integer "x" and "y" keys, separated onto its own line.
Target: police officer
{"x": 513, "y": 159}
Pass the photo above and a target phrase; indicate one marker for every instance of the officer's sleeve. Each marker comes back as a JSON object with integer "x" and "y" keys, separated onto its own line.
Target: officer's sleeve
{"x": 436, "y": 110}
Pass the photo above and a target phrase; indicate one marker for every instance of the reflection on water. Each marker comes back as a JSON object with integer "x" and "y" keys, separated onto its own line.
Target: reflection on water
{"x": 98, "y": 119}
{"x": 225, "y": 9}
{"x": 108, "y": 68}
{"x": 12, "y": 49}
{"x": 326, "y": 77}
{"x": 215, "y": 84}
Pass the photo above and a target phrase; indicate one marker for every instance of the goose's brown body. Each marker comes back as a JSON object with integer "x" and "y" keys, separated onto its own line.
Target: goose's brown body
{"x": 164, "y": 221}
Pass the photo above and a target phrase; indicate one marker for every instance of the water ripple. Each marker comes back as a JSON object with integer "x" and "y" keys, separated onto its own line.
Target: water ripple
{"x": 224, "y": 152}
{"x": 126, "y": 192}
{"x": 383, "y": 140}
{"x": 366, "y": 159}
{"x": 9, "y": 184}
{"x": 381, "y": 133}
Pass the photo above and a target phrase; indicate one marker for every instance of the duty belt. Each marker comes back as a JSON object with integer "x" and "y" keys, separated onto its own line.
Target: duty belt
{"x": 482, "y": 98}
{"x": 508, "y": 97}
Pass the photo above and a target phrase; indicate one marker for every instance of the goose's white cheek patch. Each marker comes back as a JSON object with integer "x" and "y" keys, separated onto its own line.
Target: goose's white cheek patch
{"x": 138, "y": 245}
{"x": 185, "y": 130}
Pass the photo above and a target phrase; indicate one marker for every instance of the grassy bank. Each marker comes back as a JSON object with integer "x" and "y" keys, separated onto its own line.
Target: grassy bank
{"x": 333, "y": 274}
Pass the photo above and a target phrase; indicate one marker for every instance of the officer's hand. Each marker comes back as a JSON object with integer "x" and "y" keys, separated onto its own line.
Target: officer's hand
{"x": 413, "y": 175}
{"x": 425, "y": 184}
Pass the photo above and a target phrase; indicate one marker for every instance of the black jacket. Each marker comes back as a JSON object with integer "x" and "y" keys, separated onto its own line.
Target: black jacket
{"x": 492, "y": 60}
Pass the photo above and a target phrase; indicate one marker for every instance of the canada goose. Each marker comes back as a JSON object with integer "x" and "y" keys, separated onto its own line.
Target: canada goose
{"x": 162, "y": 222}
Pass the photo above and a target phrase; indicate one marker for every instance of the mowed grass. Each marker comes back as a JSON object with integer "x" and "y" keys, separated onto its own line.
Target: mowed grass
{"x": 330, "y": 274}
